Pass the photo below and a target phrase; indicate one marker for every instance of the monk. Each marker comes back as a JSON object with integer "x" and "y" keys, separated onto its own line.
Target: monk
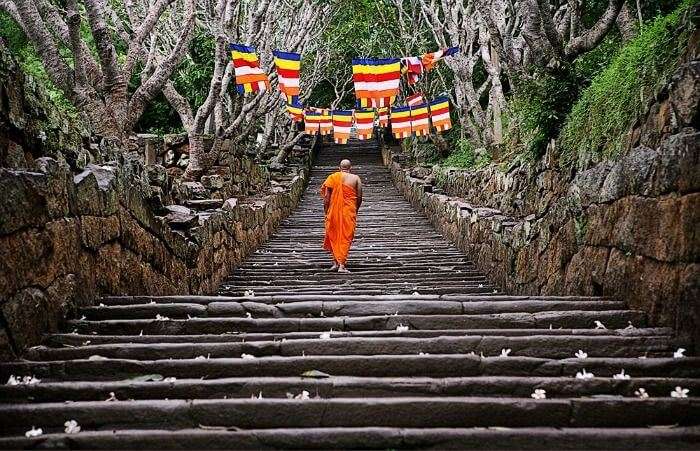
{"x": 342, "y": 197}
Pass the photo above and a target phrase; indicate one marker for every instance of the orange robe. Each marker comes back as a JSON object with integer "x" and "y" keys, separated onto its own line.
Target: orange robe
{"x": 341, "y": 217}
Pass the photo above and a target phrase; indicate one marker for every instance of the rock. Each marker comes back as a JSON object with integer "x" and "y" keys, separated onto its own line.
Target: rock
{"x": 26, "y": 316}
{"x": 213, "y": 181}
{"x": 181, "y": 209}
{"x": 95, "y": 191}
{"x": 157, "y": 175}
{"x": 170, "y": 159}
{"x": 181, "y": 220}
{"x": 195, "y": 190}
{"x": 95, "y": 231}
{"x": 230, "y": 204}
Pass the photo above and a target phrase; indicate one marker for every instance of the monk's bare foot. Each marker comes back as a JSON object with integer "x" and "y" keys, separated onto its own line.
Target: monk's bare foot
{"x": 343, "y": 269}
{"x": 334, "y": 267}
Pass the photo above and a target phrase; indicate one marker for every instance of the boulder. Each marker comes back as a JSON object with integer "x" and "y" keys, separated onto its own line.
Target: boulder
{"x": 213, "y": 181}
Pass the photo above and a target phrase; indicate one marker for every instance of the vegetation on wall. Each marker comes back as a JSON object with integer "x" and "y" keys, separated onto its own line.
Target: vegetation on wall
{"x": 598, "y": 123}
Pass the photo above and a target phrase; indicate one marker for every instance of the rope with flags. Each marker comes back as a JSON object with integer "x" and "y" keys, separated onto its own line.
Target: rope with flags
{"x": 288, "y": 67}
{"x": 440, "y": 114}
{"x": 249, "y": 76}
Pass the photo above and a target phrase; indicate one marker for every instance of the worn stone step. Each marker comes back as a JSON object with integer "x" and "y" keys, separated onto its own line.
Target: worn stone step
{"x": 340, "y": 308}
{"x": 531, "y": 346}
{"x": 432, "y": 365}
{"x": 352, "y": 412}
{"x": 371, "y": 438}
{"x": 342, "y": 387}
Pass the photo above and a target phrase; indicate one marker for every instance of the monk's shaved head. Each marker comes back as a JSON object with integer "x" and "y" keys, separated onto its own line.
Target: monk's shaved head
{"x": 345, "y": 164}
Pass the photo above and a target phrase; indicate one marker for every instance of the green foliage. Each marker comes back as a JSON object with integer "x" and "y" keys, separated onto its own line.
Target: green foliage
{"x": 598, "y": 123}
{"x": 464, "y": 156}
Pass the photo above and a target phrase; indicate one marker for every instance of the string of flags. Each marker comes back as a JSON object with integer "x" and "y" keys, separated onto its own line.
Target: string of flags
{"x": 376, "y": 82}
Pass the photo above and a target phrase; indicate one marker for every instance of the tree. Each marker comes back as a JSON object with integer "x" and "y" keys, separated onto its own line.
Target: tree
{"x": 91, "y": 76}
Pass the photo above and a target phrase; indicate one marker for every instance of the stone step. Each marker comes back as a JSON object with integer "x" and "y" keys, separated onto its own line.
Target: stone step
{"x": 572, "y": 319}
{"x": 333, "y": 309}
{"x": 412, "y": 412}
{"x": 370, "y": 438}
{"x": 560, "y": 347}
{"x": 431, "y": 365}
{"x": 342, "y": 387}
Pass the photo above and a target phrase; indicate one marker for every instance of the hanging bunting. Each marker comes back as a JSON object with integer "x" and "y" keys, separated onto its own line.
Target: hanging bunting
{"x": 420, "y": 124}
{"x": 383, "y": 114}
{"x": 326, "y": 122}
{"x": 376, "y": 81}
{"x": 342, "y": 122}
{"x": 412, "y": 67}
{"x": 401, "y": 121}
{"x": 440, "y": 114}
{"x": 415, "y": 99}
{"x": 364, "y": 122}
{"x": 430, "y": 59}
{"x": 312, "y": 122}
{"x": 249, "y": 76}
{"x": 295, "y": 109}
{"x": 288, "y": 66}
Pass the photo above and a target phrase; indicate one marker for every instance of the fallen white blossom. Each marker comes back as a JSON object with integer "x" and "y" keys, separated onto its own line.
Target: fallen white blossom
{"x": 621, "y": 375}
{"x": 481, "y": 285}
{"x": 630, "y": 325}
{"x": 680, "y": 392}
{"x": 539, "y": 394}
{"x": 505, "y": 352}
{"x": 303, "y": 395}
{"x": 33, "y": 432}
{"x": 415, "y": 293}
{"x": 679, "y": 353}
{"x": 249, "y": 293}
{"x": 325, "y": 336}
{"x": 581, "y": 355}
{"x": 112, "y": 397}
{"x": 584, "y": 375}
{"x": 160, "y": 317}
{"x": 248, "y": 315}
{"x": 401, "y": 328}
{"x": 247, "y": 356}
{"x": 641, "y": 393}
{"x": 200, "y": 357}
{"x": 599, "y": 325}
{"x": 170, "y": 379}
{"x": 13, "y": 380}
{"x": 72, "y": 427}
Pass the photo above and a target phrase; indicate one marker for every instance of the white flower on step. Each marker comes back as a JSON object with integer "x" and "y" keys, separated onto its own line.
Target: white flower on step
{"x": 621, "y": 375}
{"x": 248, "y": 315}
{"x": 170, "y": 379}
{"x": 423, "y": 353}
{"x": 141, "y": 333}
{"x": 33, "y": 432}
{"x": 401, "y": 328}
{"x": 581, "y": 355}
{"x": 303, "y": 395}
{"x": 72, "y": 427}
{"x": 97, "y": 357}
{"x": 74, "y": 332}
{"x": 13, "y": 380}
{"x": 102, "y": 305}
{"x": 680, "y": 392}
{"x": 86, "y": 342}
{"x": 599, "y": 325}
{"x": 505, "y": 352}
{"x": 260, "y": 396}
{"x": 415, "y": 293}
{"x": 112, "y": 397}
{"x": 539, "y": 394}
{"x": 152, "y": 302}
{"x": 679, "y": 353}
{"x": 249, "y": 293}
{"x": 388, "y": 257}
{"x": 247, "y": 356}
{"x": 584, "y": 375}
{"x": 83, "y": 318}
{"x": 641, "y": 393}
{"x": 325, "y": 336}
{"x": 200, "y": 357}
{"x": 160, "y": 317}
{"x": 30, "y": 380}
{"x": 630, "y": 326}
{"x": 495, "y": 291}
{"x": 481, "y": 285}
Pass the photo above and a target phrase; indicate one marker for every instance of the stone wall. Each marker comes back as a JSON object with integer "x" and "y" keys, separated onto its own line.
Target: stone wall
{"x": 626, "y": 228}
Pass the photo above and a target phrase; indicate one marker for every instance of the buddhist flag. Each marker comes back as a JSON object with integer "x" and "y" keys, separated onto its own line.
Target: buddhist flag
{"x": 413, "y": 68}
{"x": 401, "y": 121}
{"x": 415, "y": 99}
{"x": 342, "y": 122}
{"x": 420, "y": 124}
{"x": 383, "y": 114}
{"x": 249, "y": 76}
{"x": 376, "y": 81}
{"x": 326, "y": 122}
{"x": 430, "y": 59}
{"x": 288, "y": 66}
{"x": 295, "y": 109}
{"x": 312, "y": 122}
{"x": 364, "y": 121}
{"x": 440, "y": 114}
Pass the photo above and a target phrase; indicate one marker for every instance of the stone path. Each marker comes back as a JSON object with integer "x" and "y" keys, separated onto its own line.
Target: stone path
{"x": 236, "y": 366}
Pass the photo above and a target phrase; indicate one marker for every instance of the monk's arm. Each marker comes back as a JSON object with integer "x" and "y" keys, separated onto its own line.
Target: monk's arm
{"x": 359, "y": 193}
{"x": 326, "y": 199}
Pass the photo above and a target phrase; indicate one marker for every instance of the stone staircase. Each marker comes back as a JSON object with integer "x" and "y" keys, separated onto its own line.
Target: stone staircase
{"x": 414, "y": 349}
